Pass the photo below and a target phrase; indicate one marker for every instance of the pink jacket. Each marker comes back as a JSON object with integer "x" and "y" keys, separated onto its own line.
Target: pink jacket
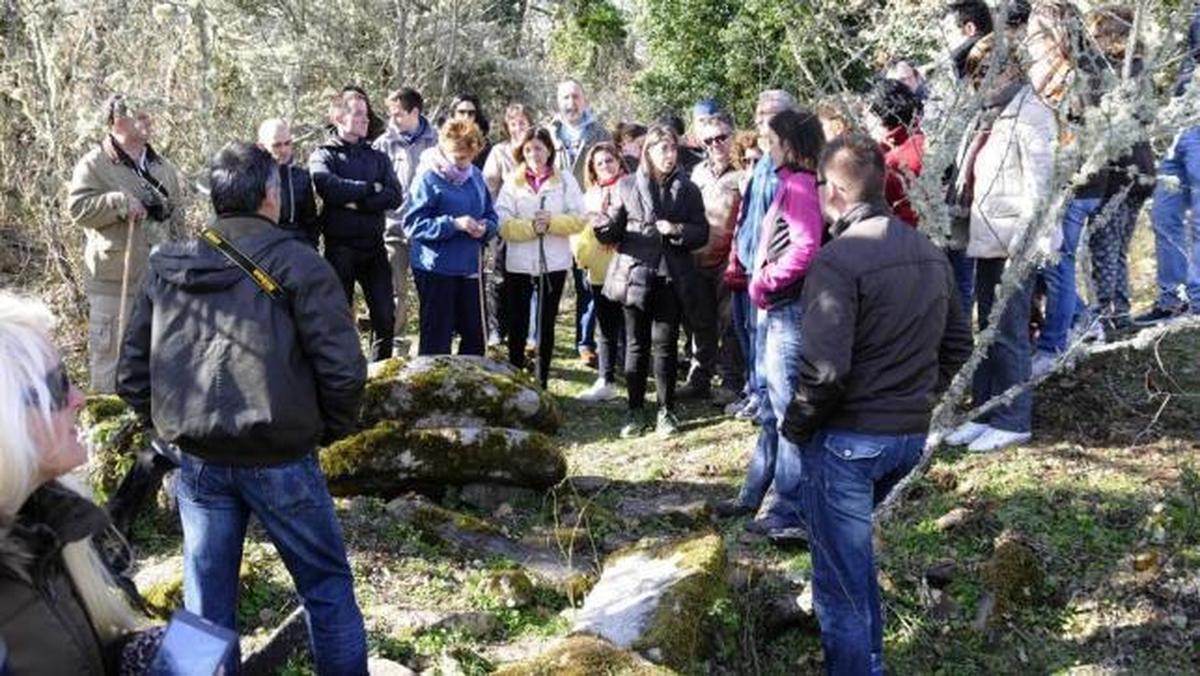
{"x": 784, "y": 255}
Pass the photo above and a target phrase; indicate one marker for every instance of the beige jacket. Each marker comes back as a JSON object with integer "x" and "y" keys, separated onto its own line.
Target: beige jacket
{"x": 98, "y": 202}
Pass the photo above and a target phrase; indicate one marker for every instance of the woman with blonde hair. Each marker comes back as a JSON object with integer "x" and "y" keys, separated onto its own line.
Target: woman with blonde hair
{"x": 448, "y": 219}
{"x": 63, "y": 613}
{"x": 540, "y": 208}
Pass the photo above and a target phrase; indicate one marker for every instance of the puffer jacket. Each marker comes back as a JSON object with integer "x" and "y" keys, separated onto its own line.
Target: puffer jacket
{"x": 641, "y": 251}
{"x": 97, "y": 201}
{"x": 438, "y": 246}
{"x": 517, "y": 204}
{"x": 231, "y": 374}
{"x": 42, "y": 620}
{"x": 404, "y": 150}
{"x": 345, "y": 175}
{"x": 722, "y": 197}
{"x": 1012, "y": 177}
{"x": 590, "y": 254}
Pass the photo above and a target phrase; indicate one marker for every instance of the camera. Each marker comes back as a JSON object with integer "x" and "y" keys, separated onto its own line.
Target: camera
{"x": 156, "y": 208}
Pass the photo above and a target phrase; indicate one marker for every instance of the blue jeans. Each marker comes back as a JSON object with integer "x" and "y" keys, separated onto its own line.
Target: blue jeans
{"x": 292, "y": 503}
{"x": 745, "y": 320}
{"x": 1062, "y": 298}
{"x": 585, "y": 312}
{"x": 1178, "y": 260}
{"x": 776, "y": 459}
{"x": 1008, "y": 360}
{"x": 845, "y": 475}
{"x": 964, "y": 278}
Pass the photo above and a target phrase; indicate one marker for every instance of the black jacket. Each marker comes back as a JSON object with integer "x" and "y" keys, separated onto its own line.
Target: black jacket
{"x": 883, "y": 330}
{"x": 298, "y": 205}
{"x": 42, "y": 620}
{"x": 345, "y": 176}
{"x": 229, "y": 373}
{"x": 640, "y": 247}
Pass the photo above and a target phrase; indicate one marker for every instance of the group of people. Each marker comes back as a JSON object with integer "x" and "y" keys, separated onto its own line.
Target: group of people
{"x": 789, "y": 260}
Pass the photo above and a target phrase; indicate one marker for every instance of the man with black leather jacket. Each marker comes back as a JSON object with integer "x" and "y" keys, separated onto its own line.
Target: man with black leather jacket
{"x": 241, "y": 350}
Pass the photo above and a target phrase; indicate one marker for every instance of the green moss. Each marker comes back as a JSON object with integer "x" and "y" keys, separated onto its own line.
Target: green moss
{"x": 390, "y": 458}
{"x": 674, "y": 633}
{"x": 100, "y": 407}
{"x": 1015, "y": 575}
{"x": 164, "y": 597}
{"x": 114, "y": 433}
{"x": 584, "y": 656}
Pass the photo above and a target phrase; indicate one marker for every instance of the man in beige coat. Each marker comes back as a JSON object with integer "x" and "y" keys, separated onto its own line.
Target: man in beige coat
{"x": 126, "y": 198}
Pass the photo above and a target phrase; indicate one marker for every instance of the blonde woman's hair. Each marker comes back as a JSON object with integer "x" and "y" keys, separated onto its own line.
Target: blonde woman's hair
{"x": 26, "y": 356}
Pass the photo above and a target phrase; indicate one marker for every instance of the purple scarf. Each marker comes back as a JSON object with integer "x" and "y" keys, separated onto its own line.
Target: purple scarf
{"x": 450, "y": 171}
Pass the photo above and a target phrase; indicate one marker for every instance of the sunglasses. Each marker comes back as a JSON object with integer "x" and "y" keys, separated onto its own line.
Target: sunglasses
{"x": 714, "y": 140}
{"x": 58, "y": 386}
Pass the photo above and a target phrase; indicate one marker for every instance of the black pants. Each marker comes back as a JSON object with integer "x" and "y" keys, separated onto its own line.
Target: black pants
{"x": 701, "y": 322}
{"x": 449, "y": 305}
{"x": 518, "y": 290}
{"x": 370, "y": 268}
{"x": 609, "y": 340}
{"x": 653, "y": 329}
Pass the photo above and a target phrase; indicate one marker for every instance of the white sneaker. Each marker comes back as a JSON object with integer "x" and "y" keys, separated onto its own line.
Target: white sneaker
{"x": 966, "y": 433}
{"x": 1043, "y": 362}
{"x": 600, "y": 391}
{"x": 994, "y": 440}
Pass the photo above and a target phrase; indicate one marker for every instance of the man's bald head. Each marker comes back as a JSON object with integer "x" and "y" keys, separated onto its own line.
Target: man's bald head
{"x": 853, "y": 171}
{"x": 275, "y": 137}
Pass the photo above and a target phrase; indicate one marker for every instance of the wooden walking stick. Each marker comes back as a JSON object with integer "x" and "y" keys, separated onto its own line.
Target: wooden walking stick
{"x": 130, "y": 222}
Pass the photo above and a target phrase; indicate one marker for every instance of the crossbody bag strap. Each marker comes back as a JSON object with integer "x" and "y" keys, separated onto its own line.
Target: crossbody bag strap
{"x": 259, "y": 276}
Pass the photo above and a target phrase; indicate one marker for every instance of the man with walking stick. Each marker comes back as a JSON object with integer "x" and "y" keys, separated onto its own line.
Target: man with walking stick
{"x": 127, "y": 198}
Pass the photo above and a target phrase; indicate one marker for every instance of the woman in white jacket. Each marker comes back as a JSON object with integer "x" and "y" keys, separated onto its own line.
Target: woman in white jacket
{"x": 539, "y": 209}
{"x": 1005, "y": 170}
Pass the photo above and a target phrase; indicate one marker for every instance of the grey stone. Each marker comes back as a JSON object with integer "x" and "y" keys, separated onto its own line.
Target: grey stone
{"x": 490, "y": 497}
{"x": 288, "y": 639}
{"x": 377, "y": 666}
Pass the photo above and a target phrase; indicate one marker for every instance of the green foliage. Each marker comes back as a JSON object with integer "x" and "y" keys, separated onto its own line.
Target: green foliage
{"x": 588, "y": 40}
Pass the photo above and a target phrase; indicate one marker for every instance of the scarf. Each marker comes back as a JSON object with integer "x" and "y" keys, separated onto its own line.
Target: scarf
{"x": 449, "y": 170}
{"x": 858, "y": 212}
{"x": 572, "y": 135}
{"x": 537, "y": 179}
{"x": 408, "y": 137}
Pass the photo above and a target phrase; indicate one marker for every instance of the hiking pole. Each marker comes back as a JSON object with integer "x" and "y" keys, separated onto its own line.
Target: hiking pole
{"x": 483, "y": 329}
{"x": 124, "y": 284}
{"x": 541, "y": 299}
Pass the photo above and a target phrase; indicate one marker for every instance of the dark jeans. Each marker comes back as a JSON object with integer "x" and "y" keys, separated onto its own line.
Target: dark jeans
{"x": 585, "y": 311}
{"x": 964, "y": 277}
{"x": 449, "y": 305}
{"x": 609, "y": 340}
{"x": 701, "y": 321}
{"x": 845, "y": 475}
{"x": 518, "y": 289}
{"x": 653, "y": 329}
{"x": 370, "y": 268}
{"x": 292, "y": 503}
{"x": 776, "y": 459}
{"x": 1008, "y": 360}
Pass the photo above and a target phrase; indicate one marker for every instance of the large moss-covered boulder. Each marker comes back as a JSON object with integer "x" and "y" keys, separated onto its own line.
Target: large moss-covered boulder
{"x": 651, "y": 598}
{"x": 584, "y": 656}
{"x": 114, "y": 434}
{"x": 391, "y": 459}
{"x": 456, "y": 390}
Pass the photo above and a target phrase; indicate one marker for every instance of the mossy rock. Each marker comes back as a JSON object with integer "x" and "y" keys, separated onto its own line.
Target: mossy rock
{"x": 584, "y": 656}
{"x": 391, "y": 459}
{"x": 429, "y": 391}
{"x": 114, "y": 434}
{"x": 651, "y": 596}
{"x": 1015, "y": 575}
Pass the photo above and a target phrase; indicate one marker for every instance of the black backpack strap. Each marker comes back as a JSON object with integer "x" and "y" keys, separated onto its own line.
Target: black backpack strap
{"x": 259, "y": 276}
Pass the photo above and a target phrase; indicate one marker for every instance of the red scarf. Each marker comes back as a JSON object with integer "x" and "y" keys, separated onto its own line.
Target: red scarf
{"x": 537, "y": 180}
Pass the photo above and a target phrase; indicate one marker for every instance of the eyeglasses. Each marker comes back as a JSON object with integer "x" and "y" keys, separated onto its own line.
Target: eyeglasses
{"x": 58, "y": 386}
{"x": 714, "y": 140}
{"x": 470, "y": 112}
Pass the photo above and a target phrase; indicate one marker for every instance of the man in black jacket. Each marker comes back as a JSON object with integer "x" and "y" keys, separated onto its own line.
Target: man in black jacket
{"x": 357, "y": 186}
{"x": 248, "y": 374}
{"x": 883, "y": 335}
{"x": 298, "y": 206}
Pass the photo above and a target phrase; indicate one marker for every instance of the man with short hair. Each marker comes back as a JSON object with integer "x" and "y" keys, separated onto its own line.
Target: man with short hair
{"x": 883, "y": 336}
{"x": 964, "y": 23}
{"x": 358, "y": 186}
{"x": 298, "y": 208}
{"x": 714, "y": 345}
{"x": 241, "y": 351}
{"x": 408, "y": 134}
{"x": 127, "y": 198}
{"x": 575, "y": 130}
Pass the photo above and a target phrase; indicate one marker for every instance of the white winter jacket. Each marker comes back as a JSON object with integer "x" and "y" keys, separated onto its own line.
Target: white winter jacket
{"x": 1013, "y": 171}
{"x": 516, "y": 205}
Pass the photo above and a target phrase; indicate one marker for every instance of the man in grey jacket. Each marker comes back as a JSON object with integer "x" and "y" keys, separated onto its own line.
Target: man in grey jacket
{"x": 883, "y": 335}
{"x": 408, "y": 134}
{"x": 242, "y": 351}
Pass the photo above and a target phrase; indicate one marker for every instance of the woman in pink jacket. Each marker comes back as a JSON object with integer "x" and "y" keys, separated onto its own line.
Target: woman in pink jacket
{"x": 791, "y": 232}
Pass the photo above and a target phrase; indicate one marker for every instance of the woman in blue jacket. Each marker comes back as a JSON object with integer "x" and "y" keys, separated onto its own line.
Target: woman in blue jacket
{"x": 448, "y": 219}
